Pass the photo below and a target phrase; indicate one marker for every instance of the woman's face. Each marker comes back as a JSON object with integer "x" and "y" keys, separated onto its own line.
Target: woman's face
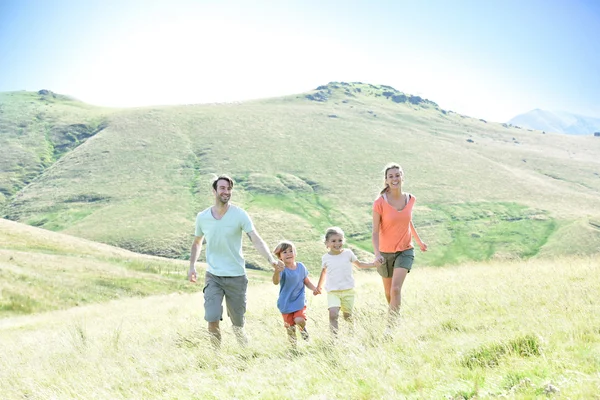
{"x": 394, "y": 178}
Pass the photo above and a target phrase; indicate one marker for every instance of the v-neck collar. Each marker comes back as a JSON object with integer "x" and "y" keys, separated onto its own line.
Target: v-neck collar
{"x": 408, "y": 198}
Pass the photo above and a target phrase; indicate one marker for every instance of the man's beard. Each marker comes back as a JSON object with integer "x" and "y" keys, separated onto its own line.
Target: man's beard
{"x": 224, "y": 199}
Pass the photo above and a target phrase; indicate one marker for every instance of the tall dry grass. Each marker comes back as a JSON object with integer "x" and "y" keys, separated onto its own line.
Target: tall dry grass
{"x": 512, "y": 330}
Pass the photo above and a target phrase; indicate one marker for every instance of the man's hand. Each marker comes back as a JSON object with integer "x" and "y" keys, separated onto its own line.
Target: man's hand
{"x": 192, "y": 275}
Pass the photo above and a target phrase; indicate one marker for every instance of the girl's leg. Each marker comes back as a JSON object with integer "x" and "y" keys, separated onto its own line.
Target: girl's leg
{"x": 348, "y": 318}
{"x": 334, "y": 313}
{"x": 387, "y": 285}
{"x": 395, "y": 292}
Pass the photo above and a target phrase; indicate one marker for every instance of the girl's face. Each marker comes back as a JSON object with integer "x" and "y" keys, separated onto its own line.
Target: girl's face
{"x": 335, "y": 243}
{"x": 394, "y": 178}
{"x": 288, "y": 256}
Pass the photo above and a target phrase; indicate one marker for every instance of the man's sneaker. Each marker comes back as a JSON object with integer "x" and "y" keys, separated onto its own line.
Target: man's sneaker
{"x": 304, "y": 334}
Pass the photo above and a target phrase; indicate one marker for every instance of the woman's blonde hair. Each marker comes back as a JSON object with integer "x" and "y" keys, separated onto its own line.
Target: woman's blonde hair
{"x": 282, "y": 246}
{"x": 386, "y": 169}
{"x": 334, "y": 230}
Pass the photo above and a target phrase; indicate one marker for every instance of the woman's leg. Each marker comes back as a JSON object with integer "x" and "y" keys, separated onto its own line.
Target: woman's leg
{"x": 396, "y": 291}
{"x": 387, "y": 285}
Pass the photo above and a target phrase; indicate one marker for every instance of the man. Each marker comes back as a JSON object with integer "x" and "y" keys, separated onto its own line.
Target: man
{"x": 222, "y": 226}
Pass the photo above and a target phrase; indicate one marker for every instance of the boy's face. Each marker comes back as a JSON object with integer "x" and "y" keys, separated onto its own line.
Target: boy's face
{"x": 288, "y": 256}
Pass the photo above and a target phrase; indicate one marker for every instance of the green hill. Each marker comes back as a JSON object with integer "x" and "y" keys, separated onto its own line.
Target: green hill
{"x": 135, "y": 178}
{"x": 45, "y": 271}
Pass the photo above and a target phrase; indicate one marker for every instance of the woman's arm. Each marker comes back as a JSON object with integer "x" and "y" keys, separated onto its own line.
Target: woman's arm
{"x": 422, "y": 245}
{"x": 375, "y": 236}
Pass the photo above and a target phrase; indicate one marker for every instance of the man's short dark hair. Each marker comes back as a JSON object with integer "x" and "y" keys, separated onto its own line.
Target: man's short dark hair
{"x": 224, "y": 178}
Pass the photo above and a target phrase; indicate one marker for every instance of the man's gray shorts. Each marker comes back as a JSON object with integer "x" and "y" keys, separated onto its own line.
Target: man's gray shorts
{"x": 400, "y": 259}
{"x": 233, "y": 288}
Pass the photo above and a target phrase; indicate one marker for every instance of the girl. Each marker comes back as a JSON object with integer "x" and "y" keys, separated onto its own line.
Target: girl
{"x": 337, "y": 270}
{"x": 291, "y": 278}
{"x": 393, "y": 231}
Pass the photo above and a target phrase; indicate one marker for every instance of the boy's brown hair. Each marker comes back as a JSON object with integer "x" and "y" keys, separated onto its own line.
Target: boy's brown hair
{"x": 282, "y": 246}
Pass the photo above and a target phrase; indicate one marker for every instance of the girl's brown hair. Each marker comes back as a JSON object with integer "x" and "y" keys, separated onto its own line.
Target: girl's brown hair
{"x": 386, "y": 169}
{"x": 334, "y": 230}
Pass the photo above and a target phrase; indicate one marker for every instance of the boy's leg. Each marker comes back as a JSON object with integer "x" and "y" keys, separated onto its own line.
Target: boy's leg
{"x": 288, "y": 322}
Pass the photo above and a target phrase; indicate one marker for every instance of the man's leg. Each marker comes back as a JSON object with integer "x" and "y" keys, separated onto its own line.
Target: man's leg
{"x": 235, "y": 299}
{"x": 213, "y": 307}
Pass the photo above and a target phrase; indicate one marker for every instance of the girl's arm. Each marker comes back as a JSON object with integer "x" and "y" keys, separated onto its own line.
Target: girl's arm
{"x": 360, "y": 264}
{"x": 321, "y": 280}
{"x": 375, "y": 236}
{"x": 421, "y": 244}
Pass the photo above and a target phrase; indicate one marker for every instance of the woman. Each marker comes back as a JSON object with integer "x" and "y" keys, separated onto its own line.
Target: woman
{"x": 393, "y": 231}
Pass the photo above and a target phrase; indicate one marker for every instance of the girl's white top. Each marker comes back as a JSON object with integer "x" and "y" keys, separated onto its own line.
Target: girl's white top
{"x": 339, "y": 270}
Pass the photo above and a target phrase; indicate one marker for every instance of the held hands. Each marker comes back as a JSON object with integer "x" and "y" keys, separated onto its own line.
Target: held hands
{"x": 377, "y": 263}
{"x": 278, "y": 265}
{"x": 317, "y": 291}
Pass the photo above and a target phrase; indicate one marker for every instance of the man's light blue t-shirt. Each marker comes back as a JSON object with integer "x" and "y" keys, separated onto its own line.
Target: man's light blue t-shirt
{"x": 291, "y": 289}
{"x": 224, "y": 240}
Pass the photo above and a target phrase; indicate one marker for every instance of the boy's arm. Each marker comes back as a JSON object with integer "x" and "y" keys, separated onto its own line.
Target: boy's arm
{"x": 309, "y": 284}
{"x": 277, "y": 274}
{"x": 422, "y": 245}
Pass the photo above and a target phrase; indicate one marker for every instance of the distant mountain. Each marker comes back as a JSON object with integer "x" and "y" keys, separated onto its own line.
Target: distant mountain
{"x": 557, "y": 121}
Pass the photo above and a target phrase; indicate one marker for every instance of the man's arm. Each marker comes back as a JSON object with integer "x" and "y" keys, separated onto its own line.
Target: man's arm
{"x": 196, "y": 250}
{"x": 262, "y": 249}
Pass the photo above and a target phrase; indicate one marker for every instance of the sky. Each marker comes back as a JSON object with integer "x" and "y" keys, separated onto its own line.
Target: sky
{"x": 487, "y": 59}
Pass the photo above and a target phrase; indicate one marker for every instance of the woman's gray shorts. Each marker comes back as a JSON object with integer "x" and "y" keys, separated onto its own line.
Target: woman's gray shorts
{"x": 400, "y": 259}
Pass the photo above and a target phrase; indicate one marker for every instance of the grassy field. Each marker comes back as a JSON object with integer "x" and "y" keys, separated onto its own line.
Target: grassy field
{"x": 135, "y": 178}
{"x": 44, "y": 271}
{"x": 516, "y": 329}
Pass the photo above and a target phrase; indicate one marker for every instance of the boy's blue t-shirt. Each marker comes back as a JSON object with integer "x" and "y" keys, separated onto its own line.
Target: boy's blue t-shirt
{"x": 291, "y": 289}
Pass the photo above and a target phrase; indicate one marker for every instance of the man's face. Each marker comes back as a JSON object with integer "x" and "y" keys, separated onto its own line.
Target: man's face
{"x": 223, "y": 192}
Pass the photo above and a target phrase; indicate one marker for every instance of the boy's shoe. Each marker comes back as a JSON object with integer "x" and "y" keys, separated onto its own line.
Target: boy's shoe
{"x": 304, "y": 334}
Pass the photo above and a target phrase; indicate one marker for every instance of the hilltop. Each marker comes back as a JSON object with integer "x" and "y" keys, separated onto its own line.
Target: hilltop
{"x": 135, "y": 178}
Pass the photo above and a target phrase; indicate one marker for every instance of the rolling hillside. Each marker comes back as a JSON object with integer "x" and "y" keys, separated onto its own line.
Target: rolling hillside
{"x": 135, "y": 178}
